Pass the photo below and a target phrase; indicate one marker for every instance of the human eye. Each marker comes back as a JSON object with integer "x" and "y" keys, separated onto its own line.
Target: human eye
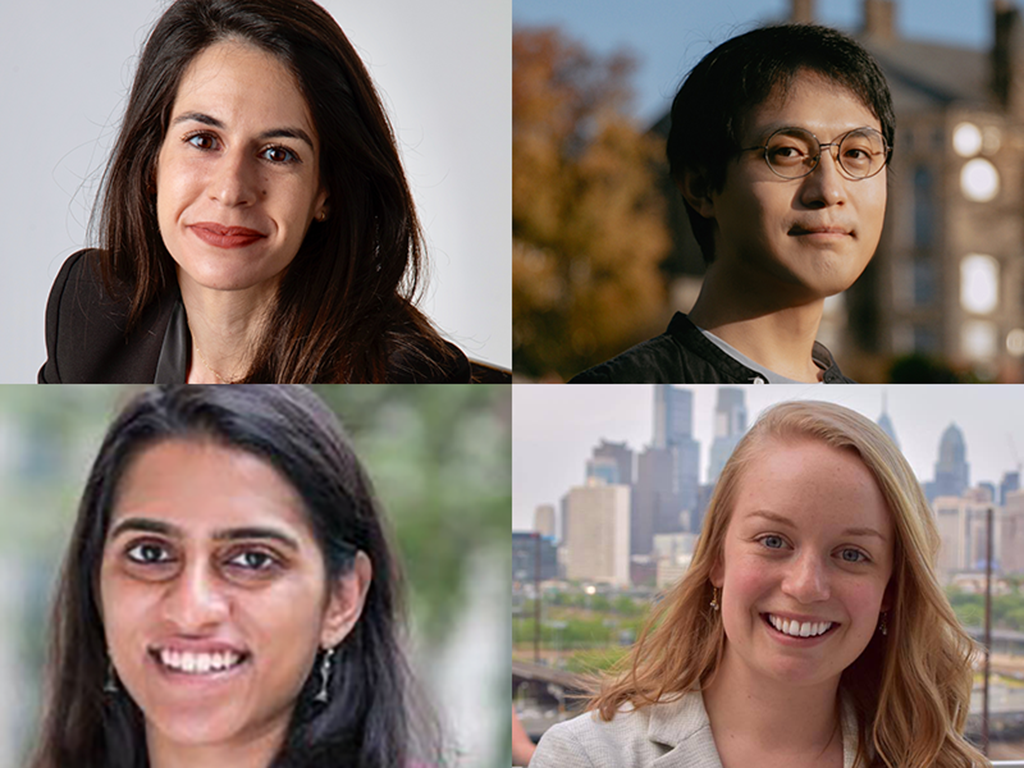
{"x": 279, "y": 155}
{"x": 771, "y": 541}
{"x": 202, "y": 140}
{"x": 851, "y": 555}
{"x": 148, "y": 553}
{"x": 253, "y": 561}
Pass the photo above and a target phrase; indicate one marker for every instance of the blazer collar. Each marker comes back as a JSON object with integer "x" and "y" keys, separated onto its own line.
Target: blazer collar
{"x": 683, "y": 725}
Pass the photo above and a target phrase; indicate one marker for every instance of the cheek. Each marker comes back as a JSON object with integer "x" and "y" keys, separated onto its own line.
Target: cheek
{"x": 747, "y": 580}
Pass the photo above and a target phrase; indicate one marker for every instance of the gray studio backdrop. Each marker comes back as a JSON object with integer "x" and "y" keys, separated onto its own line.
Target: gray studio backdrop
{"x": 443, "y": 69}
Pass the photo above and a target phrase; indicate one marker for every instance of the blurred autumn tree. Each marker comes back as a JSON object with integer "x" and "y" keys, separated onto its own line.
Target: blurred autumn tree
{"x": 588, "y": 226}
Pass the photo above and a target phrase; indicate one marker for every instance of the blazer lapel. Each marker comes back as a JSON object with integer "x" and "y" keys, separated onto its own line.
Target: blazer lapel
{"x": 683, "y": 726}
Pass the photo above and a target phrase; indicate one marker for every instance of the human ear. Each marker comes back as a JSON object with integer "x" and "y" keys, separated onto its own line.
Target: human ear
{"x": 717, "y": 573}
{"x": 694, "y": 188}
{"x": 886, "y": 605}
{"x": 347, "y": 598}
{"x": 320, "y": 207}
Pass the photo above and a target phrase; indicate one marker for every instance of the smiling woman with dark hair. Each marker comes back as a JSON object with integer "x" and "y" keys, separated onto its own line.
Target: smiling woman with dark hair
{"x": 255, "y": 223}
{"x": 228, "y": 597}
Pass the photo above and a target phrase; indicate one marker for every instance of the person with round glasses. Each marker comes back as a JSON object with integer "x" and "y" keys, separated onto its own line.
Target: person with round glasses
{"x": 779, "y": 144}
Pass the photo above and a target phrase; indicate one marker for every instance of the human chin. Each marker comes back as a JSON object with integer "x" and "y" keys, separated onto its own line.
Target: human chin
{"x": 232, "y": 270}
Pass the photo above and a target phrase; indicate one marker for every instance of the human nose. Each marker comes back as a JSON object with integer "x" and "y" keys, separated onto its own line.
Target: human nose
{"x": 807, "y": 580}
{"x": 825, "y": 185}
{"x": 234, "y": 180}
{"x": 195, "y": 600}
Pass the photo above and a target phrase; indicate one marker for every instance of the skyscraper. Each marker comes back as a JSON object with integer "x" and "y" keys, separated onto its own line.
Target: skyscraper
{"x": 673, "y": 430}
{"x": 886, "y": 423}
{"x": 667, "y": 484}
{"x": 952, "y": 472}
{"x": 622, "y": 455}
{"x": 730, "y": 426}
{"x": 597, "y": 546}
{"x": 673, "y": 415}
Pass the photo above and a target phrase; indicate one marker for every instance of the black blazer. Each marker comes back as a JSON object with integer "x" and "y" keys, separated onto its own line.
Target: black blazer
{"x": 86, "y": 342}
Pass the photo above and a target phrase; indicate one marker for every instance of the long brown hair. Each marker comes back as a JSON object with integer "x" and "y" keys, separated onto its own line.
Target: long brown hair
{"x": 345, "y": 306}
{"x": 910, "y": 689}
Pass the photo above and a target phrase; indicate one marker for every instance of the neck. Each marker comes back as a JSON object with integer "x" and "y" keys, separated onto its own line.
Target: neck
{"x": 225, "y": 327}
{"x": 765, "y": 324}
{"x": 255, "y": 751}
{"x": 751, "y": 713}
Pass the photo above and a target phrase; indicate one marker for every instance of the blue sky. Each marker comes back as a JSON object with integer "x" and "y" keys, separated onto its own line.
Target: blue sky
{"x": 668, "y": 37}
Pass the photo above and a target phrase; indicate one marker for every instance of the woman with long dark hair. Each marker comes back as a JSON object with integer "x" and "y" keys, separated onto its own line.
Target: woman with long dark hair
{"x": 228, "y": 596}
{"x": 254, "y": 222}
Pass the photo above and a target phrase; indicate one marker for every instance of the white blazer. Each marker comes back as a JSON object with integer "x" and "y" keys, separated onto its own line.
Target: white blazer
{"x": 669, "y": 735}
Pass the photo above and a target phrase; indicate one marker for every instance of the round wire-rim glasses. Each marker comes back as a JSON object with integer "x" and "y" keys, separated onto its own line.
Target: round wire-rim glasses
{"x": 790, "y": 152}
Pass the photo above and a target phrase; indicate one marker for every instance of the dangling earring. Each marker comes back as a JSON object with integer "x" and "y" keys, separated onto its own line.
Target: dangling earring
{"x": 714, "y": 598}
{"x": 325, "y": 677}
{"x": 883, "y": 627}
{"x": 110, "y": 685}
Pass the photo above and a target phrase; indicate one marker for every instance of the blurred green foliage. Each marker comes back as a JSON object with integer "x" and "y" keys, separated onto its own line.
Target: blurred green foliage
{"x": 1007, "y": 610}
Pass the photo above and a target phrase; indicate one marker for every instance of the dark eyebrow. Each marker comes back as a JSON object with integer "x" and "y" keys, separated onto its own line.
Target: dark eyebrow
{"x": 228, "y": 534}
{"x": 273, "y": 133}
{"x": 783, "y": 520}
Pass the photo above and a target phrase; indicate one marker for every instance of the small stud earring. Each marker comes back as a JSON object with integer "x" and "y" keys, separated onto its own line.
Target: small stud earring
{"x": 321, "y": 216}
{"x": 714, "y": 598}
{"x": 325, "y": 677}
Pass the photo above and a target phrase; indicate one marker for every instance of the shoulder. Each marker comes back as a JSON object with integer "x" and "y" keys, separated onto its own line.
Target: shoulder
{"x": 421, "y": 363}
{"x": 677, "y": 730}
{"x": 824, "y": 360}
{"x": 587, "y": 741}
{"x": 681, "y": 355}
{"x": 86, "y": 329}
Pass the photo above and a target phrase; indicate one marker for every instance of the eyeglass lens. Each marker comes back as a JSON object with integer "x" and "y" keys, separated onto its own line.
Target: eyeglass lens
{"x": 794, "y": 152}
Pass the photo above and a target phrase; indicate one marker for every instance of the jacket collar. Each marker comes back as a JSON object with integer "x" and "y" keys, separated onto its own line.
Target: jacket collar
{"x": 683, "y": 726}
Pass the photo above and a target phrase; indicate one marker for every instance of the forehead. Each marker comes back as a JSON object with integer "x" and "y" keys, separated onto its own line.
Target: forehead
{"x": 200, "y": 486}
{"x": 244, "y": 86}
{"x": 809, "y": 100}
{"x": 818, "y": 487}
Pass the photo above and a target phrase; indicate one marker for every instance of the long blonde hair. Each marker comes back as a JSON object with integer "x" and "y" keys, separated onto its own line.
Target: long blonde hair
{"x": 910, "y": 689}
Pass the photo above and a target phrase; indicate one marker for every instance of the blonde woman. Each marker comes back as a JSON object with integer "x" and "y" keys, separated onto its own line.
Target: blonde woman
{"x": 809, "y": 630}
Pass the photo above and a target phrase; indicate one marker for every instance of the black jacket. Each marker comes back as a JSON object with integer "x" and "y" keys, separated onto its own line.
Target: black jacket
{"x": 684, "y": 355}
{"x": 86, "y": 342}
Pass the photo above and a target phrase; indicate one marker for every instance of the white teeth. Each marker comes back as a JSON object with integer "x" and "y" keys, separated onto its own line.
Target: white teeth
{"x": 199, "y": 663}
{"x": 796, "y": 629}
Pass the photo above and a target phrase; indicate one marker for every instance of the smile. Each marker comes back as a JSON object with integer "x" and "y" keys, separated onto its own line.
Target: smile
{"x": 225, "y": 237}
{"x": 190, "y": 663}
{"x": 792, "y": 628}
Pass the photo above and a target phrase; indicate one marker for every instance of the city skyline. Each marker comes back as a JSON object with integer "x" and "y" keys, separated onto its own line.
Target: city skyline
{"x": 554, "y": 430}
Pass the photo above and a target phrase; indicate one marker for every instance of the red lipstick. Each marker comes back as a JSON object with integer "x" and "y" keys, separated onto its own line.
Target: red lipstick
{"x": 225, "y": 237}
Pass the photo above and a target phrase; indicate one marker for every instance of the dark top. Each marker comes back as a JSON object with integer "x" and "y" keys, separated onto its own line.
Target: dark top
{"x": 86, "y": 342}
{"x": 684, "y": 355}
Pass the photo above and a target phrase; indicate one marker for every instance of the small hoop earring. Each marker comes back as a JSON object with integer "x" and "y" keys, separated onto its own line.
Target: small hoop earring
{"x": 110, "y": 684}
{"x": 714, "y": 598}
{"x": 883, "y": 626}
{"x": 323, "y": 696}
